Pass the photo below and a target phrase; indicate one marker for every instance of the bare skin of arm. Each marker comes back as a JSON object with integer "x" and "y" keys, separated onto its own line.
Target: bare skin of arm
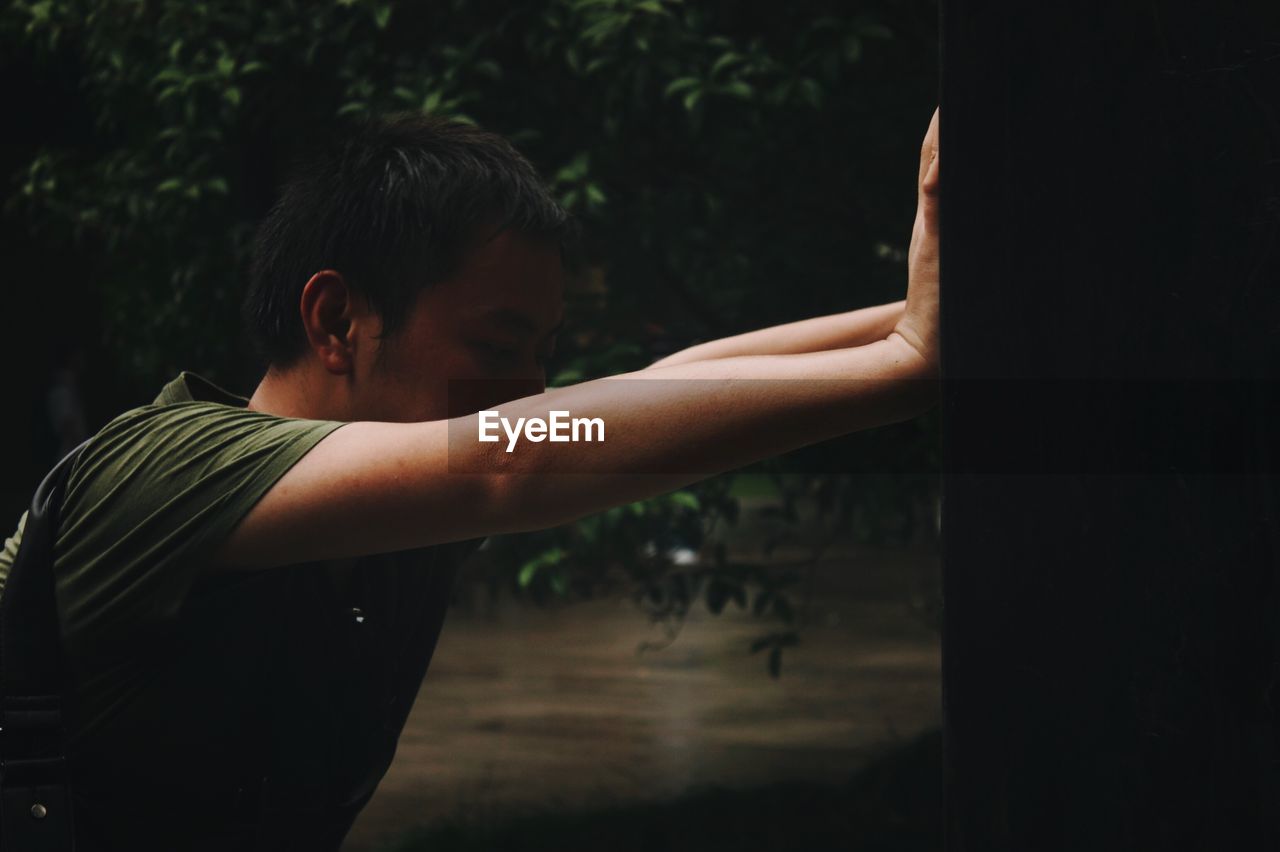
{"x": 837, "y": 331}
{"x": 372, "y": 487}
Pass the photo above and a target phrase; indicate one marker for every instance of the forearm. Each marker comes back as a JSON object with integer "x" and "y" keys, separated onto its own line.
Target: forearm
{"x": 377, "y": 487}
{"x": 670, "y": 426}
{"x": 837, "y": 331}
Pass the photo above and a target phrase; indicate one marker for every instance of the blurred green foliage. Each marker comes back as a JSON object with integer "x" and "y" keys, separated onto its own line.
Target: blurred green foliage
{"x": 736, "y": 164}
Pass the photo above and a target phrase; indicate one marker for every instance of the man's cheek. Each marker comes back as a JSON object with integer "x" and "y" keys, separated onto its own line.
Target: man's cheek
{"x": 467, "y": 396}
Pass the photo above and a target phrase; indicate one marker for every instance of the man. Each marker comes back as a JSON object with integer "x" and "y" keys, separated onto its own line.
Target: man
{"x": 250, "y": 591}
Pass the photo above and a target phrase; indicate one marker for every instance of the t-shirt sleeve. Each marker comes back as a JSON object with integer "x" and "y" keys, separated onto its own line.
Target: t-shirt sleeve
{"x": 152, "y": 496}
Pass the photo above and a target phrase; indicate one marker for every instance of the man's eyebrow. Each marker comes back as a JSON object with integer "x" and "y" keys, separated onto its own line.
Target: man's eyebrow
{"x": 520, "y": 322}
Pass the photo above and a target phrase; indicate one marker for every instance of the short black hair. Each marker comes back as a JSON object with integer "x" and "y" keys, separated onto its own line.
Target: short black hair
{"x": 391, "y": 204}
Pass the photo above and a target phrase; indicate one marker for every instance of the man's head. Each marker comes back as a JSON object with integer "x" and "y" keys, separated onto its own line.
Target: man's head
{"x": 414, "y": 251}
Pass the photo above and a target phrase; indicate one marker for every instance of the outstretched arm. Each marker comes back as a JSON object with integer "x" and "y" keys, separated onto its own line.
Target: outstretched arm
{"x": 837, "y": 331}
{"x": 371, "y": 487}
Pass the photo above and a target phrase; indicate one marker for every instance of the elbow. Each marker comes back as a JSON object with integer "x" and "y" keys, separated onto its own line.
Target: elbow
{"x": 515, "y": 496}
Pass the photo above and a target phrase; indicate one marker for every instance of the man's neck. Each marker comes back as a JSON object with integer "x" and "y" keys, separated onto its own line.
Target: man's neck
{"x": 295, "y": 393}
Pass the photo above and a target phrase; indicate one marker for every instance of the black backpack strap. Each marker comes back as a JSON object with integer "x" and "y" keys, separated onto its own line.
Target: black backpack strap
{"x": 35, "y": 799}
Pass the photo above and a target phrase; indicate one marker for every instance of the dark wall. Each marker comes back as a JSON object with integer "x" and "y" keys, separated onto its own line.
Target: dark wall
{"x": 1111, "y": 345}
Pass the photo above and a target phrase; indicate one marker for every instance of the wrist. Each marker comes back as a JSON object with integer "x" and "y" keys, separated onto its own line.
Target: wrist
{"x": 916, "y": 348}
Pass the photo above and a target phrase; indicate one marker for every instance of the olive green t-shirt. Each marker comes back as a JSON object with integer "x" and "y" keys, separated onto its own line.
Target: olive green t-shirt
{"x": 225, "y": 710}
{"x": 155, "y": 492}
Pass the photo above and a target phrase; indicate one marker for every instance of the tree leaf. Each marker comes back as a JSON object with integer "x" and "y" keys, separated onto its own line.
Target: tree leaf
{"x": 680, "y": 84}
{"x": 811, "y": 92}
{"x": 726, "y": 60}
{"x": 488, "y": 68}
{"x": 169, "y": 75}
{"x": 685, "y": 499}
{"x": 852, "y": 48}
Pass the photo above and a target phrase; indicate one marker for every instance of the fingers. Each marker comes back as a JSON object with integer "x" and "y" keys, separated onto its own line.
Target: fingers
{"x": 929, "y": 186}
{"x": 929, "y": 157}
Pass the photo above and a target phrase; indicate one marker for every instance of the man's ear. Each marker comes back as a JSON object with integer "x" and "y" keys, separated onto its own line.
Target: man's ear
{"x": 331, "y": 314}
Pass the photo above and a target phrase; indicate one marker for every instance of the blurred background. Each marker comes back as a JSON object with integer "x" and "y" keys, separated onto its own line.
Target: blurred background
{"x": 750, "y": 663}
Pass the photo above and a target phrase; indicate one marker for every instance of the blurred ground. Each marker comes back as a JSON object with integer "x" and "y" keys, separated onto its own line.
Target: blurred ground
{"x": 530, "y": 712}
{"x": 894, "y": 804}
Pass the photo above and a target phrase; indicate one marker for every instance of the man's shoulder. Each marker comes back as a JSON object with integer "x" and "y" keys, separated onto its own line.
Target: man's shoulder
{"x": 159, "y": 414}
{"x": 161, "y": 434}
{"x": 192, "y": 451}
{"x": 152, "y": 495}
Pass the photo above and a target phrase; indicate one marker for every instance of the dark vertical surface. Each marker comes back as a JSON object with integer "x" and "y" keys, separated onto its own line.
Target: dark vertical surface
{"x": 1111, "y": 346}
